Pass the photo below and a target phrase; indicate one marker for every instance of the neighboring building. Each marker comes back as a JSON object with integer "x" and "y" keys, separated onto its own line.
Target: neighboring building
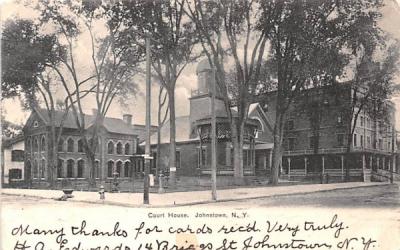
{"x": 13, "y": 160}
{"x": 193, "y": 156}
{"x": 315, "y": 136}
{"x": 118, "y": 142}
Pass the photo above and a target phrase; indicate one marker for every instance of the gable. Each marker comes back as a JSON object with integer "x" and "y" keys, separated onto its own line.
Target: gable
{"x": 34, "y": 121}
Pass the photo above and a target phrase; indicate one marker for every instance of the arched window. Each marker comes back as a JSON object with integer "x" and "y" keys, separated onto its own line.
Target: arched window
{"x": 70, "y": 145}
{"x": 70, "y": 168}
{"x": 28, "y": 170}
{"x": 35, "y": 144}
{"x": 110, "y": 166}
{"x": 97, "y": 169}
{"x": 127, "y": 169}
{"x": 119, "y": 148}
{"x": 119, "y": 168}
{"x": 35, "y": 169}
{"x": 42, "y": 168}
{"x": 60, "y": 164}
{"x": 43, "y": 144}
{"x": 80, "y": 145}
{"x": 28, "y": 144}
{"x": 127, "y": 148}
{"x": 110, "y": 147}
{"x": 81, "y": 168}
{"x": 61, "y": 145}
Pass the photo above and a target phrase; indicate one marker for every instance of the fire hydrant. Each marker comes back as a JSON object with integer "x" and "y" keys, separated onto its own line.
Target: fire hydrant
{"x": 102, "y": 193}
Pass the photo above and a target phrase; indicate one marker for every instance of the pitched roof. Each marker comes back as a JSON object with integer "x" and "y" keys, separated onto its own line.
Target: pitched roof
{"x": 113, "y": 125}
{"x": 182, "y": 127}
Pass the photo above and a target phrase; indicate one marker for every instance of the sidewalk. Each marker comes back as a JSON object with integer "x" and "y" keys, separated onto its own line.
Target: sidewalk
{"x": 189, "y": 198}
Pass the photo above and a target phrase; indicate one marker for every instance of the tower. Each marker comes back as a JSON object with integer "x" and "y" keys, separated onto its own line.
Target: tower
{"x": 200, "y": 100}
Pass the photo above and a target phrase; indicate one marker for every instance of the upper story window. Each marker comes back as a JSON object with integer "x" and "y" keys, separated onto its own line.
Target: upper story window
{"x": 340, "y": 140}
{"x": 70, "y": 145}
{"x": 43, "y": 144}
{"x": 80, "y": 145}
{"x": 119, "y": 148}
{"x": 35, "y": 124}
{"x": 35, "y": 144}
{"x": 127, "y": 148}
{"x": 291, "y": 143}
{"x": 313, "y": 141}
{"x": 339, "y": 120}
{"x": 362, "y": 121}
{"x": 17, "y": 155}
{"x": 355, "y": 140}
{"x": 110, "y": 147}
{"x": 290, "y": 124}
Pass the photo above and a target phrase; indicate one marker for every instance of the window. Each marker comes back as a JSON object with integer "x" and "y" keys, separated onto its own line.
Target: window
{"x": 110, "y": 147}
{"x": 61, "y": 145}
{"x": 339, "y": 120}
{"x": 80, "y": 145}
{"x": 28, "y": 144}
{"x": 15, "y": 173}
{"x": 60, "y": 164}
{"x": 313, "y": 140}
{"x": 127, "y": 148}
{"x": 110, "y": 166}
{"x": 70, "y": 145}
{"x": 362, "y": 141}
{"x": 380, "y": 144}
{"x": 70, "y": 168}
{"x": 178, "y": 159}
{"x": 368, "y": 122}
{"x": 355, "y": 140}
{"x": 81, "y": 168}
{"x": 291, "y": 143}
{"x": 43, "y": 144}
{"x": 340, "y": 140}
{"x": 201, "y": 156}
{"x": 97, "y": 169}
{"x": 119, "y": 168}
{"x": 289, "y": 124}
{"x": 362, "y": 121}
{"x": 35, "y": 169}
{"x": 127, "y": 169}
{"x": 35, "y": 145}
{"x": 35, "y": 124}
{"x": 17, "y": 155}
{"x": 119, "y": 148}
{"x": 368, "y": 141}
{"x": 42, "y": 168}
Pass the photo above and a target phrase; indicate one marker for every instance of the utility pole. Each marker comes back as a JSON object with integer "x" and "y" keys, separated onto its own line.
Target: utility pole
{"x": 147, "y": 157}
{"x": 213, "y": 140}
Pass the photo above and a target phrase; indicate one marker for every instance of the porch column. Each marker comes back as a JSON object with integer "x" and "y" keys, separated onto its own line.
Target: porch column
{"x": 323, "y": 164}
{"x": 288, "y": 167}
{"x": 363, "y": 161}
{"x": 342, "y": 165}
{"x": 305, "y": 165}
{"x": 384, "y": 162}
{"x": 378, "y": 162}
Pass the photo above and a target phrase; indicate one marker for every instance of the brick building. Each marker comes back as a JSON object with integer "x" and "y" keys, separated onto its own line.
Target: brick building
{"x": 118, "y": 142}
{"x": 193, "y": 156}
{"x": 315, "y": 136}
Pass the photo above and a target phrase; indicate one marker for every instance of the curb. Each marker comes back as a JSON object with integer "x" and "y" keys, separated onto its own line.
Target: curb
{"x": 113, "y": 203}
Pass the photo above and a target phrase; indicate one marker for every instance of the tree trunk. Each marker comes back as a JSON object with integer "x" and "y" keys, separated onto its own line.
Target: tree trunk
{"x": 348, "y": 150}
{"x": 277, "y": 150}
{"x": 172, "y": 131}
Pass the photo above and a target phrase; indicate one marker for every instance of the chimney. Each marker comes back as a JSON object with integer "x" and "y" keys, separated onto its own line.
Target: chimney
{"x": 127, "y": 118}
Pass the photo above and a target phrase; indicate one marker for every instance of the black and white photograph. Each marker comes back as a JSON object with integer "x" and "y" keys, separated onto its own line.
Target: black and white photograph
{"x": 200, "y": 124}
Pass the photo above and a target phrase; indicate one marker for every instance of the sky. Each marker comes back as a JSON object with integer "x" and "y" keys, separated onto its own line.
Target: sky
{"x": 13, "y": 111}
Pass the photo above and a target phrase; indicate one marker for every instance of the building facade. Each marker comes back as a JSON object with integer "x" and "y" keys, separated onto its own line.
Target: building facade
{"x": 118, "y": 142}
{"x": 193, "y": 155}
{"x": 316, "y": 136}
{"x": 13, "y": 160}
